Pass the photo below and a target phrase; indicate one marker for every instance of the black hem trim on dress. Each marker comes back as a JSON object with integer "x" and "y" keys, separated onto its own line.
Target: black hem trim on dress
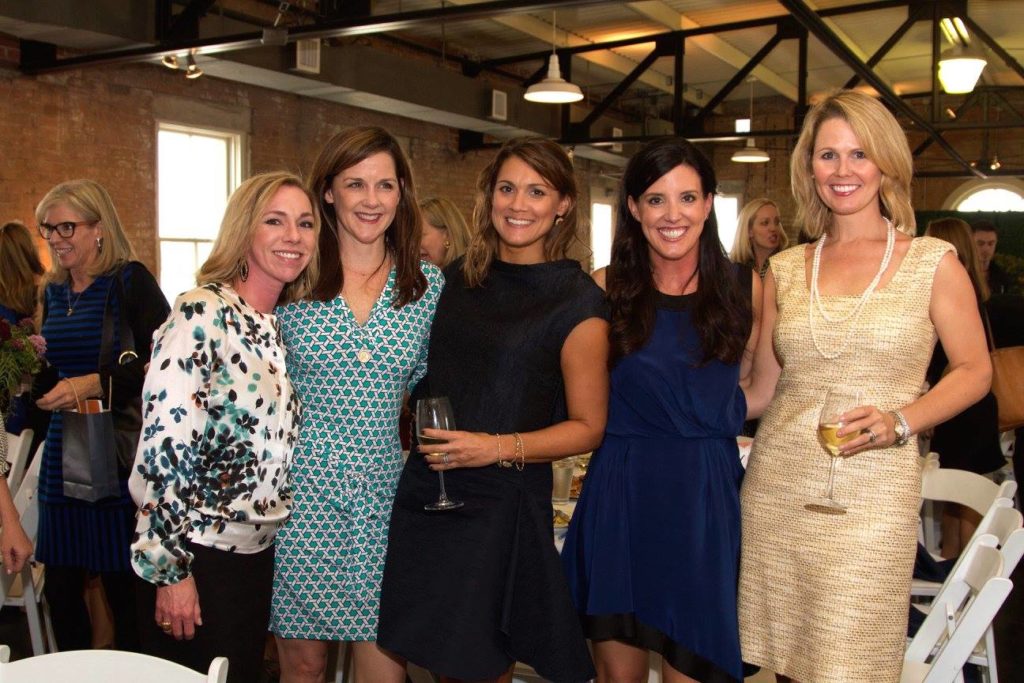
{"x": 630, "y": 630}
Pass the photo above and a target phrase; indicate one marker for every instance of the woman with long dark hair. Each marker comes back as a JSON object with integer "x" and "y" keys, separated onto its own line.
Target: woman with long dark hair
{"x": 652, "y": 553}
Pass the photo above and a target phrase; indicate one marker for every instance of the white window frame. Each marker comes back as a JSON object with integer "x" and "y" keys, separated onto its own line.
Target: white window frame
{"x": 957, "y": 196}
{"x": 235, "y": 144}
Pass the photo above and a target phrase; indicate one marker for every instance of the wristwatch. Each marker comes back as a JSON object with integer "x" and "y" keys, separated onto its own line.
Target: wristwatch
{"x": 901, "y": 428}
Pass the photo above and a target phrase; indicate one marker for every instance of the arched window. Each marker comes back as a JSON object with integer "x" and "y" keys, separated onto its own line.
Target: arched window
{"x": 987, "y": 195}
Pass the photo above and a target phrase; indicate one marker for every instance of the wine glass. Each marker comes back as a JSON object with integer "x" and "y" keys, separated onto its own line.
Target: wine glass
{"x": 837, "y": 401}
{"x": 436, "y": 413}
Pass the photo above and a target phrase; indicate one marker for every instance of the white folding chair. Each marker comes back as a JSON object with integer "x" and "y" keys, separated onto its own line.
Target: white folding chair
{"x": 964, "y": 608}
{"x": 18, "y": 446}
{"x": 104, "y": 666}
{"x": 1005, "y": 525}
{"x": 25, "y": 589}
{"x": 957, "y": 486}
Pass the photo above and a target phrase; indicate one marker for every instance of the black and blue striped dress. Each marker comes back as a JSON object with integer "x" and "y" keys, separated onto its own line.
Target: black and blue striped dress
{"x": 74, "y": 533}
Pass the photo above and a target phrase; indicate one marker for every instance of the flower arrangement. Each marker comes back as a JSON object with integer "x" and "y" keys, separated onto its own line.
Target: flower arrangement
{"x": 20, "y": 357}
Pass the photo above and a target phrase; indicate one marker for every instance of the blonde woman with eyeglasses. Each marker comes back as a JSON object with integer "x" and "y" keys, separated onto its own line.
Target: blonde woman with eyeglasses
{"x": 89, "y": 250}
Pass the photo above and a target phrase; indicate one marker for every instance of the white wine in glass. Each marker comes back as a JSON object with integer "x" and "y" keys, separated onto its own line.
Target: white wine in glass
{"x": 436, "y": 413}
{"x": 837, "y": 402}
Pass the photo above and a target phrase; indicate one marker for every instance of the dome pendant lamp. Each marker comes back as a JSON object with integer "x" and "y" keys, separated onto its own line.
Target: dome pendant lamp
{"x": 751, "y": 154}
{"x": 554, "y": 89}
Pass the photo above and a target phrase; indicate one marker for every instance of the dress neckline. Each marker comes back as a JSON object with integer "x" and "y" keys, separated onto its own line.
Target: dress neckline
{"x": 673, "y": 302}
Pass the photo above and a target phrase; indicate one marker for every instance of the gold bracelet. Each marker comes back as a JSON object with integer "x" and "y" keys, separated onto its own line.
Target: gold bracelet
{"x": 78, "y": 402}
{"x": 520, "y": 451}
{"x": 501, "y": 462}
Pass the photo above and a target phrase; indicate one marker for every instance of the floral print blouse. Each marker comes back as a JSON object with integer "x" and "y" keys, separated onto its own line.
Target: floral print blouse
{"x": 220, "y": 419}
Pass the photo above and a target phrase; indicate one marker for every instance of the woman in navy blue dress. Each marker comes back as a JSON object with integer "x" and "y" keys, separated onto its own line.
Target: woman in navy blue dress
{"x": 652, "y": 553}
{"x": 88, "y": 249}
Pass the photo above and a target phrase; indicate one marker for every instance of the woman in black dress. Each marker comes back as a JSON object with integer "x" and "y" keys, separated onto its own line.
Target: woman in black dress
{"x": 968, "y": 441}
{"x": 519, "y": 346}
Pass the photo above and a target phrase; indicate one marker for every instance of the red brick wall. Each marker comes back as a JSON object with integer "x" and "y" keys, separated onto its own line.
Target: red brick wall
{"x": 101, "y": 123}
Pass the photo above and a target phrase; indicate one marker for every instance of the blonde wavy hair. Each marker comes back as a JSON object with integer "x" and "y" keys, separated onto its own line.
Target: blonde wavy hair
{"x": 883, "y": 141}
{"x": 92, "y": 202}
{"x": 241, "y": 219}
{"x": 742, "y": 249}
{"x": 19, "y": 279}
{"x": 958, "y": 233}
{"x": 551, "y": 162}
{"x": 442, "y": 214}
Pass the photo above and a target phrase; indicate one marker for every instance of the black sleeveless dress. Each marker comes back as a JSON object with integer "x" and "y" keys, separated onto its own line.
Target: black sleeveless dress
{"x": 468, "y": 592}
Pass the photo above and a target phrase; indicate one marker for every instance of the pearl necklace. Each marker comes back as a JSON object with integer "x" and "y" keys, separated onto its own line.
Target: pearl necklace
{"x": 815, "y": 301}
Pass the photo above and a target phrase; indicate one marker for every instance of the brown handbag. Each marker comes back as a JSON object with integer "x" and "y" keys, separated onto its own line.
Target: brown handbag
{"x": 1007, "y": 381}
{"x": 1008, "y": 385}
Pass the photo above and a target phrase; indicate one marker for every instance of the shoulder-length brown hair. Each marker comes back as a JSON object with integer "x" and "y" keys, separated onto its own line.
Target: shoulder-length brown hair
{"x": 958, "y": 233}
{"x": 401, "y": 238}
{"x": 19, "y": 278}
{"x": 92, "y": 202}
{"x": 548, "y": 159}
{"x": 883, "y": 141}
{"x": 241, "y": 219}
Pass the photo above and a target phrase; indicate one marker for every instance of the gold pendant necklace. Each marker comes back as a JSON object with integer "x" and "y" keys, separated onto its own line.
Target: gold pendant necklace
{"x": 71, "y": 306}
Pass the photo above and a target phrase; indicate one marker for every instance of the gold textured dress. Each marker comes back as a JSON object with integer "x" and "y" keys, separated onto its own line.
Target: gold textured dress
{"x": 823, "y": 598}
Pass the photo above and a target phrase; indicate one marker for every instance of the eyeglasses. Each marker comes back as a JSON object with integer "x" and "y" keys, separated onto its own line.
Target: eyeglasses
{"x": 65, "y": 229}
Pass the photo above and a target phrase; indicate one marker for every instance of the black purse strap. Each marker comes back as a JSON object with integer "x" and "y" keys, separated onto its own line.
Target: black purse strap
{"x": 128, "y": 353}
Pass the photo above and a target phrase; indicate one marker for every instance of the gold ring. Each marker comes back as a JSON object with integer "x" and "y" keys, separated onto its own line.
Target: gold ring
{"x": 165, "y": 625}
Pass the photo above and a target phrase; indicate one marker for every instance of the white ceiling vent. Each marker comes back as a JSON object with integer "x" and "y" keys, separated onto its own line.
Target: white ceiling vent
{"x": 307, "y": 55}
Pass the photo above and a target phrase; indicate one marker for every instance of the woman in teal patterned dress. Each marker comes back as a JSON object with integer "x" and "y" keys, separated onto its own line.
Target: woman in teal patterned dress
{"x": 354, "y": 348}
{"x": 221, "y": 419}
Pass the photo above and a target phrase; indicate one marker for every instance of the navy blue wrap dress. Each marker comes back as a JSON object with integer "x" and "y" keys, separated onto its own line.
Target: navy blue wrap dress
{"x": 652, "y": 553}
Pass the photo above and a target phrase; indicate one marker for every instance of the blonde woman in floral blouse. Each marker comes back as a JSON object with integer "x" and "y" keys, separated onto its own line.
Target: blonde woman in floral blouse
{"x": 211, "y": 474}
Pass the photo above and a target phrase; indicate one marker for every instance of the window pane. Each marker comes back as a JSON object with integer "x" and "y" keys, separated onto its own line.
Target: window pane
{"x": 601, "y": 234}
{"x": 194, "y": 183}
{"x": 993, "y": 199}
{"x": 727, "y": 211}
{"x": 178, "y": 266}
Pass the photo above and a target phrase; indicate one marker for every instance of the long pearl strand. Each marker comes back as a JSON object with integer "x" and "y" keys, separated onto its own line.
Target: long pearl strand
{"x": 816, "y": 302}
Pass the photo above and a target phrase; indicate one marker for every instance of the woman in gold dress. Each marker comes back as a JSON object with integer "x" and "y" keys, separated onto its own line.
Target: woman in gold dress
{"x": 823, "y": 597}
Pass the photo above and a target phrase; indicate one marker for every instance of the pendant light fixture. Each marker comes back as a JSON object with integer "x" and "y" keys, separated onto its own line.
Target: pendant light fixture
{"x": 960, "y": 68}
{"x": 751, "y": 154}
{"x": 554, "y": 89}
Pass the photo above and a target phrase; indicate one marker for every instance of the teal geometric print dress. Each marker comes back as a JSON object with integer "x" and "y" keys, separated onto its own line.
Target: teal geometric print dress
{"x": 351, "y": 380}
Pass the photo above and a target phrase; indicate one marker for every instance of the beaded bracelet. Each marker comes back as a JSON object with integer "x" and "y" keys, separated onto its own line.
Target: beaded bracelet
{"x": 520, "y": 451}
{"x": 501, "y": 462}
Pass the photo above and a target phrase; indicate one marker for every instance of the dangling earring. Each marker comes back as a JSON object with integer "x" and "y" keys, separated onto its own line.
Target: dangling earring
{"x": 99, "y": 244}
{"x": 243, "y": 270}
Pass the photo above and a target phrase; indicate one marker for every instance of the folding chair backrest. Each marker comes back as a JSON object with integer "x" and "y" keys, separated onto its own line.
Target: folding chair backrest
{"x": 106, "y": 666}
{"x": 960, "y": 486}
{"x": 18, "y": 446}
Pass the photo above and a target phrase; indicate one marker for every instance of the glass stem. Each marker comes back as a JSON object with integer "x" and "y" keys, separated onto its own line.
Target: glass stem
{"x": 444, "y": 495}
{"x": 831, "y": 477}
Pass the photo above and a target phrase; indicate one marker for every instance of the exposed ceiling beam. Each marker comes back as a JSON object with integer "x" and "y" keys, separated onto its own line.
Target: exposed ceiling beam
{"x": 541, "y": 30}
{"x": 666, "y": 16}
{"x": 852, "y": 44}
{"x": 328, "y": 29}
{"x": 806, "y": 16}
